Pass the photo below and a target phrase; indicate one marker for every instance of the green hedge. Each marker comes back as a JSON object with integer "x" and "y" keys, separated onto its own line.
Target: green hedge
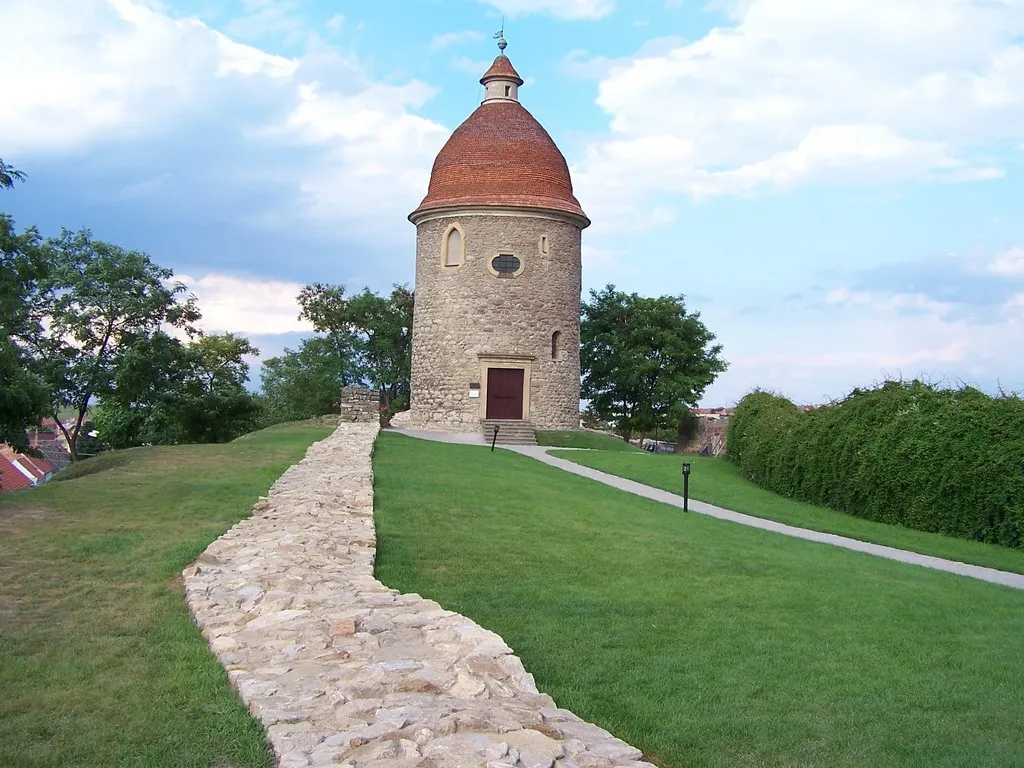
{"x": 907, "y": 453}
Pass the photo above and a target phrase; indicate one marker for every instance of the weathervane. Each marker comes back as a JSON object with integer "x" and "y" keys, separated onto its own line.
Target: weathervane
{"x": 500, "y": 36}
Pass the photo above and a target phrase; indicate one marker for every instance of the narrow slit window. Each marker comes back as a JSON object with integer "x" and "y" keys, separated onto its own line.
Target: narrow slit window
{"x": 453, "y": 248}
{"x": 544, "y": 247}
{"x": 508, "y": 91}
{"x": 556, "y": 345}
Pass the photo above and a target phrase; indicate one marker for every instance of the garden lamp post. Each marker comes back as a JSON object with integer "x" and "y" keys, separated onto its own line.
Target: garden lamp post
{"x": 686, "y": 486}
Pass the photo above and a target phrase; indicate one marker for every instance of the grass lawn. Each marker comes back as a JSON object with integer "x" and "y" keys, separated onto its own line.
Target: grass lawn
{"x": 100, "y": 663}
{"x": 720, "y": 482}
{"x": 705, "y": 643}
{"x": 578, "y": 438}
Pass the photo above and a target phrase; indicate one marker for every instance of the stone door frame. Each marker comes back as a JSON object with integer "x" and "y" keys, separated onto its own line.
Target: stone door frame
{"x": 506, "y": 361}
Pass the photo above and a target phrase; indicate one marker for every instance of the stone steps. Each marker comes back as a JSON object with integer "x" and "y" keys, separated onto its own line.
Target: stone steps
{"x": 510, "y": 432}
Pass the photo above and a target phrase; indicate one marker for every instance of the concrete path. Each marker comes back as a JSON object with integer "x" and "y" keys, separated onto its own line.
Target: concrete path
{"x": 1014, "y": 580}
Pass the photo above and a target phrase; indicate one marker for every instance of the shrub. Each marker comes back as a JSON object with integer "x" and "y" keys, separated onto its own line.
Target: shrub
{"x": 907, "y": 453}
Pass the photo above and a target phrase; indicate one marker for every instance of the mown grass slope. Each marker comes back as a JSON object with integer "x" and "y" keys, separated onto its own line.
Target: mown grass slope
{"x": 579, "y": 438}
{"x": 720, "y": 482}
{"x": 100, "y": 662}
{"x": 702, "y": 642}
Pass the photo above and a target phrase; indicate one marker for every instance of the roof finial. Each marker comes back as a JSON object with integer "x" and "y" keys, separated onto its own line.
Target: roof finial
{"x": 500, "y": 37}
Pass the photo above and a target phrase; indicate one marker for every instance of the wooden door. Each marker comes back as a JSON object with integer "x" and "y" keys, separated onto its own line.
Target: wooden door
{"x": 505, "y": 393}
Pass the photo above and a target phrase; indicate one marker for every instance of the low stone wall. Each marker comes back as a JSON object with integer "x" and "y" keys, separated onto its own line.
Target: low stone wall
{"x": 359, "y": 404}
{"x": 402, "y": 419}
{"x": 343, "y": 670}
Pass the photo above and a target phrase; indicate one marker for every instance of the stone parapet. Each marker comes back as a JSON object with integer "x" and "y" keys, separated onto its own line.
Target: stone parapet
{"x": 359, "y": 404}
{"x": 342, "y": 670}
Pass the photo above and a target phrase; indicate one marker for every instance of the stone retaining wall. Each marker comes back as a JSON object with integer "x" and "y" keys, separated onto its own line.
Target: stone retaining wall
{"x": 342, "y": 670}
{"x": 359, "y": 404}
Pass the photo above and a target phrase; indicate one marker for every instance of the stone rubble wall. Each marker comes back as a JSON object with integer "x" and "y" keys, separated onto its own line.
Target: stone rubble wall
{"x": 401, "y": 419}
{"x": 465, "y": 312}
{"x": 359, "y": 404}
{"x": 342, "y": 670}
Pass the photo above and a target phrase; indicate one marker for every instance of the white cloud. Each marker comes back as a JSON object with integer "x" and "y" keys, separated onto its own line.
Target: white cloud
{"x": 1008, "y": 262}
{"x": 440, "y": 42}
{"x": 846, "y": 296}
{"x": 598, "y": 257}
{"x": 580, "y": 64}
{"x": 372, "y": 147}
{"x": 560, "y": 9}
{"x": 86, "y": 71}
{"x": 247, "y": 306}
{"x": 855, "y": 338}
{"x": 263, "y": 18}
{"x": 799, "y": 92}
{"x": 889, "y": 302}
{"x": 317, "y": 130}
{"x": 475, "y": 68}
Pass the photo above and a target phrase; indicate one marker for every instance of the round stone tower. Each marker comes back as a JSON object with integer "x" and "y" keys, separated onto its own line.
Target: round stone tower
{"x": 496, "y": 326}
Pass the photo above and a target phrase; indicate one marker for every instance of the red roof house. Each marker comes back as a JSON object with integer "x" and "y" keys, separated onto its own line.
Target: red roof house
{"x": 19, "y": 471}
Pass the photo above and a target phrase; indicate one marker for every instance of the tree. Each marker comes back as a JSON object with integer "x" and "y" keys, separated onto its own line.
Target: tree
{"x": 378, "y": 330}
{"x": 645, "y": 361}
{"x": 165, "y": 392}
{"x": 307, "y": 382}
{"x": 215, "y": 406}
{"x": 99, "y": 299}
{"x": 24, "y": 398}
{"x": 138, "y": 407}
{"x": 9, "y": 175}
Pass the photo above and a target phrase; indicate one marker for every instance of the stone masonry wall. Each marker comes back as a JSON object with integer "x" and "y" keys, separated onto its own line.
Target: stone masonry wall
{"x": 466, "y": 311}
{"x": 342, "y": 670}
{"x": 359, "y": 404}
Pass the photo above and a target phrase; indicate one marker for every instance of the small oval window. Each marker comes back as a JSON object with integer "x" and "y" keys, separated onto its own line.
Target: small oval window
{"x": 506, "y": 265}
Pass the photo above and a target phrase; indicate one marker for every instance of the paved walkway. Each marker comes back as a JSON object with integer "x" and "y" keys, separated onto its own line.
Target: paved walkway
{"x": 1014, "y": 580}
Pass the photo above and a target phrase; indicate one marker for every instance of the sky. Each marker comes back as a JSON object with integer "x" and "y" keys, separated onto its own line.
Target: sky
{"x": 837, "y": 188}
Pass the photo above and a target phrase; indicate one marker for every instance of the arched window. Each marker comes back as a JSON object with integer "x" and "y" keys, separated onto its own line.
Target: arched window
{"x": 556, "y": 345}
{"x": 453, "y": 248}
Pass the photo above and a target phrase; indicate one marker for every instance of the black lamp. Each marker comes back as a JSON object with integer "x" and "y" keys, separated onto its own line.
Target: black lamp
{"x": 686, "y": 486}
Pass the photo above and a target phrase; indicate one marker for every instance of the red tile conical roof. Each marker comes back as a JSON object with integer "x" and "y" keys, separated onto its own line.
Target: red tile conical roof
{"x": 500, "y": 156}
{"x": 501, "y": 69}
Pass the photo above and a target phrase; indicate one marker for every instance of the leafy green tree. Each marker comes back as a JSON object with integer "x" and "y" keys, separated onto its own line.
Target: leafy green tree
{"x": 9, "y": 175}
{"x": 307, "y": 381}
{"x": 148, "y": 375}
{"x": 165, "y": 392}
{"x": 215, "y": 406}
{"x": 24, "y": 398}
{"x": 98, "y": 300}
{"x": 379, "y": 330}
{"x": 645, "y": 361}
